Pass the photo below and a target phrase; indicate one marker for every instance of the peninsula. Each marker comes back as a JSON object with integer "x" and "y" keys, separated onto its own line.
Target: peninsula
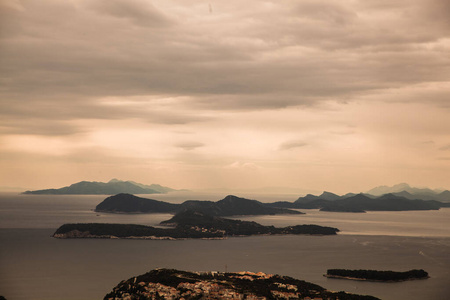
{"x": 175, "y": 284}
{"x": 186, "y": 224}
{"x": 373, "y": 275}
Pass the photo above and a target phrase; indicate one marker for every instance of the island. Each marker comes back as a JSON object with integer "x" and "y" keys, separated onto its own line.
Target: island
{"x": 175, "y": 284}
{"x": 186, "y": 224}
{"x": 112, "y": 187}
{"x": 374, "y": 275}
{"x": 229, "y": 206}
{"x": 360, "y": 203}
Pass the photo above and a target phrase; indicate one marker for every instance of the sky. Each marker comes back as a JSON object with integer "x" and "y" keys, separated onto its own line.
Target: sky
{"x": 317, "y": 95}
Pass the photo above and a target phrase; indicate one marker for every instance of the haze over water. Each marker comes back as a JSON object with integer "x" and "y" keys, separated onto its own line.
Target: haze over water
{"x": 299, "y": 96}
{"x": 36, "y": 266}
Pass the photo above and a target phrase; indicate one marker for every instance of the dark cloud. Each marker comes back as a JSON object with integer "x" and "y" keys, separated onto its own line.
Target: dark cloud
{"x": 292, "y": 144}
{"x": 140, "y": 12}
{"x": 326, "y": 12}
{"x": 36, "y": 126}
{"x": 59, "y": 58}
{"x": 189, "y": 145}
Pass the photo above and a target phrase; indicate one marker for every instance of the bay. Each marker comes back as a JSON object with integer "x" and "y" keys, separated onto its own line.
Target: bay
{"x": 36, "y": 266}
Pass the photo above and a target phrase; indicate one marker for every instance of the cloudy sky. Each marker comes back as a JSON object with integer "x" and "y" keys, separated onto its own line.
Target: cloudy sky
{"x": 325, "y": 95}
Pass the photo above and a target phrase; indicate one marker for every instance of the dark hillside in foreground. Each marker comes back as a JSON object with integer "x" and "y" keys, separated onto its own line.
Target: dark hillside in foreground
{"x": 175, "y": 284}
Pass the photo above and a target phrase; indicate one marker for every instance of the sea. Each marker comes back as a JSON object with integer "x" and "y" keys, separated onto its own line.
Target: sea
{"x": 35, "y": 266}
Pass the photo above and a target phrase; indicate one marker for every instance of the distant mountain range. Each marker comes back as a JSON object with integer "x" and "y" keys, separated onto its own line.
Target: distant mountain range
{"x": 112, "y": 187}
{"x": 229, "y": 206}
{"x": 384, "y": 189}
{"x": 405, "y": 190}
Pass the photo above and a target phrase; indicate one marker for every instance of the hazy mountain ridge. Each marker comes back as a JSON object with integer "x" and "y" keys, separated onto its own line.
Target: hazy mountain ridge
{"x": 405, "y": 190}
{"x": 113, "y": 187}
{"x": 229, "y": 206}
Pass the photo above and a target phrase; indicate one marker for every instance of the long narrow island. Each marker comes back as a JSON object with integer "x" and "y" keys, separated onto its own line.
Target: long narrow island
{"x": 374, "y": 275}
{"x": 186, "y": 224}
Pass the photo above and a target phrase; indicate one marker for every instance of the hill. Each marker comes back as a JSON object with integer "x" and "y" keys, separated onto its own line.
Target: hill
{"x": 232, "y": 205}
{"x": 112, "y": 187}
{"x": 229, "y": 206}
{"x": 189, "y": 219}
{"x": 388, "y": 202}
{"x": 127, "y": 203}
{"x": 175, "y": 284}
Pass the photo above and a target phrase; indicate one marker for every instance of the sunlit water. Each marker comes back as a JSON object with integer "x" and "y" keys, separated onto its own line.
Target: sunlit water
{"x": 35, "y": 266}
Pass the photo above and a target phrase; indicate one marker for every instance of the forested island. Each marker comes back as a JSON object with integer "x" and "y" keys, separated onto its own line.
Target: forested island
{"x": 374, "y": 275}
{"x": 187, "y": 224}
{"x": 228, "y": 206}
{"x": 175, "y": 284}
{"x": 360, "y": 203}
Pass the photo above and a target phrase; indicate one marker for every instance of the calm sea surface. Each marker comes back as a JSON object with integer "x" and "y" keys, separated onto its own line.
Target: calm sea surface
{"x": 35, "y": 266}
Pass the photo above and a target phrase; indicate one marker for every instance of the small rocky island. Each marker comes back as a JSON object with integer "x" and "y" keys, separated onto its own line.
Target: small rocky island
{"x": 174, "y": 284}
{"x": 186, "y": 224}
{"x": 373, "y": 275}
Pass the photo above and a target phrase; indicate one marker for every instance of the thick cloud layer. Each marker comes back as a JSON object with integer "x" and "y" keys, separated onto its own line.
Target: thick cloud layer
{"x": 82, "y": 71}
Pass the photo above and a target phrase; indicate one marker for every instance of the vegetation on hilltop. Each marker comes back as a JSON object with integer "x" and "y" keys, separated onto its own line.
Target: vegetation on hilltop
{"x": 174, "y": 284}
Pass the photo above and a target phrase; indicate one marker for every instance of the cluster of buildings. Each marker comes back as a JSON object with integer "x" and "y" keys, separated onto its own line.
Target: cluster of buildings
{"x": 218, "y": 288}
{"x": 199, "y": 290}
